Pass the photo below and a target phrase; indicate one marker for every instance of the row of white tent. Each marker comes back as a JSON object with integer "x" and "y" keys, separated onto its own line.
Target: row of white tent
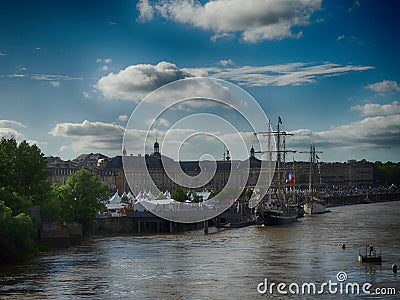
{"x": 115, "y": 202}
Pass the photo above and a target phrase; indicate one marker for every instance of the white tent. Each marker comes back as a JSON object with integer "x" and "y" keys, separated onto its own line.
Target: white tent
{"x": 204, "y": 195}
{"x": 152, "y": 205}
{"x": 130, "y": 196}
{"x": 115, "y": 199}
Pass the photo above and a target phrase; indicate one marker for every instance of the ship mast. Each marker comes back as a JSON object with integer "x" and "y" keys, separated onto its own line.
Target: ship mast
{"x": 280, "y": 149}
{"x": 313, "y": 159}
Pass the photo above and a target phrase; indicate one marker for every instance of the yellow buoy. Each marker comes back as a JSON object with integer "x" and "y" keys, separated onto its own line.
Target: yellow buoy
{"x": 343, "y": 246}
{"x": 394, "y": 268}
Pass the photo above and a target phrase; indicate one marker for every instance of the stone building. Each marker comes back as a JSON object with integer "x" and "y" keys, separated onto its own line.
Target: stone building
{"x": 214, "y": 176}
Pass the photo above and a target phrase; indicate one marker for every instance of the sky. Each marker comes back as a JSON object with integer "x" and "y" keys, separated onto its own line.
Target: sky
{"x": 73, "y": 72}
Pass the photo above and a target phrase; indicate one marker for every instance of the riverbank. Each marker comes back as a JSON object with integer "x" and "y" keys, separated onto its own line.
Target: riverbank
{"x": 142, "y": 223}
{"x": 339, "y": 200}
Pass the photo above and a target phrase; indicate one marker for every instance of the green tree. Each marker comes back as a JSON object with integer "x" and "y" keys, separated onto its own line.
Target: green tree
{"x": 81, "y": 198}
{"x": 51, "y": 210}
{"x": 17, "y": 234}
{"x": 23, "y": 176}
{"x": 23, "y": 183}
{"x": 178, "y": 195}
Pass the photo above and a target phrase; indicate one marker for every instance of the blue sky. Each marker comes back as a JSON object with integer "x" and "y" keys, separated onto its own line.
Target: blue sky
{"x": 71, "y": 73}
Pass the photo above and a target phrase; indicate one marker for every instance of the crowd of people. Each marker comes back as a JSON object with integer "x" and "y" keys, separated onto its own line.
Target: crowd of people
{"x": 360, "y": 190}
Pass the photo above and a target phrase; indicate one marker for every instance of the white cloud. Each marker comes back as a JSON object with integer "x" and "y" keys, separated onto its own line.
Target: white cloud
{"x": 373, "y": 109}
{"x": 55, "y": 83}
{"x": 136, "y": 81}
{"x": 340, "y": 37}
{"x": 105, "y": 62}
{"x": 159, "y": 122}
{"x": 11, "y": 128}
{"x": 356, "y": 138}
{"x": 44, "y": 77}
{"x": 384, "y": 87}
{"x": 146, "y": 11}
{"x": 64, "y": 148}
{"x": 226, "y": 62}
{"x": 257, "y": 20}
{"x": 91, "y": 136}
{"x": 123, "y": 118}
{"x": 16, "y": 75}
{"x": 86, "y": 128}
{"x": 86, "y": 95}
{"x": 52, "y": 77}
{"x": 9, "y": 132}
{"x": 39, "y": 144}
{"x": 355, "y": 5}
{"x": 284, "y": 74}
{"x": 11, "y": 124}
{"x": 379, "y": 131}
{"x": 3, "y": 54}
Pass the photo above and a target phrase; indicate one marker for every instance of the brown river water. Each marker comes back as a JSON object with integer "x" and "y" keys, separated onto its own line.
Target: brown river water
{"x": 226, "y": 264}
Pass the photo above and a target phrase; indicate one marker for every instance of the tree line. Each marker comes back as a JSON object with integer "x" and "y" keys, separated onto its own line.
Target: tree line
{"x": 385, "y": 173}
{"x": 24, "y": 184}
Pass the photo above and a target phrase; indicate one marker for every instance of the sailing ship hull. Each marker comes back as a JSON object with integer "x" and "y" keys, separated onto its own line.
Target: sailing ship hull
{"x": 314, "y": 208}
{"x": 276, "y": 218}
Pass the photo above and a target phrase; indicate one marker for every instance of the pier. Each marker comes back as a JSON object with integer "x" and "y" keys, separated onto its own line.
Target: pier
{"x": 147, "y": 223}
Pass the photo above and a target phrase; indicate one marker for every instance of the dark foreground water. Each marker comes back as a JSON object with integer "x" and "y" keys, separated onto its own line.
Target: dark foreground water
{"x": 229, "y": 264}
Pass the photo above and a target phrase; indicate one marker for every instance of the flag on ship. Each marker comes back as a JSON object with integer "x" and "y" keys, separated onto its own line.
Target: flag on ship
{"x": 291, "y": 177}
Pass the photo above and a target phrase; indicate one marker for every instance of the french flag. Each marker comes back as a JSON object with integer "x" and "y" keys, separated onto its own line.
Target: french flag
{"x": 291, "y": 177}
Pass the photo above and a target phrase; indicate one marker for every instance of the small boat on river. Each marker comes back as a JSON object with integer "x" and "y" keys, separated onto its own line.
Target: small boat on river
{"x": 370, "y": 255}
{"x": 236, "y": 224}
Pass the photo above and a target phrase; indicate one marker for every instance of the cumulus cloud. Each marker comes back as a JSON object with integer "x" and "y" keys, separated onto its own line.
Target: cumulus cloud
{"x": 11, "y": 124}
{"x": 256, "y": 20}
{"x": 86, "y": 128}
{"x": 64, "y": 148}
{"x": 146, "y": 11}
{"x": 384, "y": 87}
{"x": 123, "y": 118}
{"x": 373, "y": 109}
{"x": 90, "y": 136}
{"x": 105, "y": 62}
{"x": 364, "y": 135}
{"x": 159, "y": 122}
{"x": 226, "y": 62}
{"x": 136, "y": 81}
{"x": 11, "y": 128}
{"x": 375, "y": 132}
{"x": 55, "y": 83}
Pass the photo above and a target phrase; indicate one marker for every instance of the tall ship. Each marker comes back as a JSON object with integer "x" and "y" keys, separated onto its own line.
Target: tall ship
{"x": 313, "y": 204}
{"x": 280, "y": 204}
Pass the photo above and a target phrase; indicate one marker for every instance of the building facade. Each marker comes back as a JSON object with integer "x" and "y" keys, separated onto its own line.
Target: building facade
{"x": 142, "y": 171}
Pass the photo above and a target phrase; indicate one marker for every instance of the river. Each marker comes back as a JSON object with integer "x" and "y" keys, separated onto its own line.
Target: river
{"x": 229, "y": 264}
